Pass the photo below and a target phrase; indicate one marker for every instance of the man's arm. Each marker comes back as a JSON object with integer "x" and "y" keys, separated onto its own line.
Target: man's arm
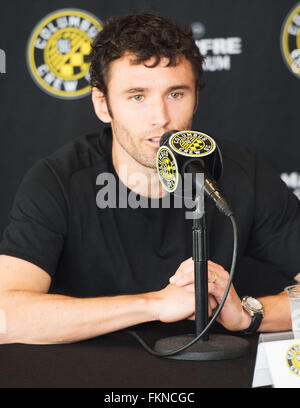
{"x": 233, "y": 316}
{"x": 28, "y": 314}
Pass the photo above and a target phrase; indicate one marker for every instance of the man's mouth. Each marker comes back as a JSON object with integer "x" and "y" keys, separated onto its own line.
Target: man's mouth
{"x": 154, "y": 141}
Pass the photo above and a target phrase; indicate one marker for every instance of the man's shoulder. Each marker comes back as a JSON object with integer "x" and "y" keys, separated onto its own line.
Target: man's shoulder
{"x": 82, "y": 154}
{"x": 82, "y": 151}
{"x": 236, "y": 152}
{"x": 238, "y": 159}
{"x": 244, "y": 164}
{"x": 79, "y": 154}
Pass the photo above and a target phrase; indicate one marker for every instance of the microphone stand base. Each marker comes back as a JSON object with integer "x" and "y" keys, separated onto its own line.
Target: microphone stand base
{"x": 218, "y": 347}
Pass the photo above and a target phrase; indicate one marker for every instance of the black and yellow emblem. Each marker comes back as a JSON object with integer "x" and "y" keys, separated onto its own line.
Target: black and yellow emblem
{"x": 290, "y": 40}
{"x": 167, "y": 168}
{"x": 293, "y": 359}
{"x": 192, "y": 143}
{"x": 58, "y": 50}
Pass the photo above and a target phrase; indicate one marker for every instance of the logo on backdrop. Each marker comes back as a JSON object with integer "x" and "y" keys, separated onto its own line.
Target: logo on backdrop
{"x": 57, "y": 52}
{"x": 292, "y": 180}
{"x": 218, "y": 52}
{"x": 290, "y": 40}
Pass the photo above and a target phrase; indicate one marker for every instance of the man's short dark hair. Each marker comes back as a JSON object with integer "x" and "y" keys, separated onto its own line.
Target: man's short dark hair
{"x": 145, "y": 35}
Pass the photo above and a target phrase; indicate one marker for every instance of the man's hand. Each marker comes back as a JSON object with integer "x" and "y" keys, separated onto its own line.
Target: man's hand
{"x": 232, "y": 316}
{"x": 173, "y": 303}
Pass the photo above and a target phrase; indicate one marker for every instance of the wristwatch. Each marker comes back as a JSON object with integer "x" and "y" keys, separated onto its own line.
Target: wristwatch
{"x": 256, "y": 310}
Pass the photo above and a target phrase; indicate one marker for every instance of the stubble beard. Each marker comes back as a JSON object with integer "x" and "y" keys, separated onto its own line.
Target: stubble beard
{"x": 140, "y": 155}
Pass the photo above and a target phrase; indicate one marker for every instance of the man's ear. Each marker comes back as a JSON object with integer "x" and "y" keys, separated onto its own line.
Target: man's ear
{"x": 100, "y": 105}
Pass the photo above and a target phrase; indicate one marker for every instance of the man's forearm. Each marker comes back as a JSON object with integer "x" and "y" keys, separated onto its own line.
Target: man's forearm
{"x": 277, "y": 313}
{"x": 35, "y": 318}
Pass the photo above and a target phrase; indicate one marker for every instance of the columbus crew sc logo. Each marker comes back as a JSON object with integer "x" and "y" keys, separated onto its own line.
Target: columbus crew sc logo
{"x": 192, "y": 143}
{"x": 293, "y": 359}
{"x": 57, "y": 52}
{"x": 167, "y": 169}
{"x": 290, "y": 40}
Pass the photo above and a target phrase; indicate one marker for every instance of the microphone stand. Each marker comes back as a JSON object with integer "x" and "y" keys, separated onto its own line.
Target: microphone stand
{"x": 200, "y": 270}
{"x": 208, "y": 347}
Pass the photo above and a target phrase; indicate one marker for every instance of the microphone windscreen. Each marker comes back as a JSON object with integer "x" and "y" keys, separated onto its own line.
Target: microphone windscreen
{"x": 166, "y": 136}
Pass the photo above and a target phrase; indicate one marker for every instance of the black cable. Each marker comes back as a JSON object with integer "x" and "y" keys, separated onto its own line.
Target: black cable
{"x": 213, "y": 319}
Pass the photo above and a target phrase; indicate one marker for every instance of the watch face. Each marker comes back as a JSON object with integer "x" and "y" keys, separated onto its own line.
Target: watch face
{"x": 254, "y": 304}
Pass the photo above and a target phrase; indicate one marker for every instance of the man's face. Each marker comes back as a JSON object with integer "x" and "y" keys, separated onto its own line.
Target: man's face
{"x": 146, "y": 102}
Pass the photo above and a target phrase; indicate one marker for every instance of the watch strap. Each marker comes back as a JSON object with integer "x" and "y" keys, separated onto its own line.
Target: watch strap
{"x": 255, "y": 323}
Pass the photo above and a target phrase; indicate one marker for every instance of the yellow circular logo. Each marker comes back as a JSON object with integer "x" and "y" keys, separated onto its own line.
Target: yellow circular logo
{"x": 167, "y": 169}
{"x": 290, "y": 40}
{"x": 192, "y": 143}
{"x": 293, "y": 359}
{"x": 58, "y": 50}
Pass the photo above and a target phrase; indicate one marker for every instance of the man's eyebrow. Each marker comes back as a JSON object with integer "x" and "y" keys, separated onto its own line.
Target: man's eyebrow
{"x": 180, "y": 86}
{"x": 170, "y": 89}
{"x": 135, "y": 90}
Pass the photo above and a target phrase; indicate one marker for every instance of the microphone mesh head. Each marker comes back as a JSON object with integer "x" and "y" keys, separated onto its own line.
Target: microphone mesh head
{"x": 166, "y": 136}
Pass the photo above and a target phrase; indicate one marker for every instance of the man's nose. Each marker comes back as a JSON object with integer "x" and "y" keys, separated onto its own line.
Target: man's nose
{"x": 159, "y": 115}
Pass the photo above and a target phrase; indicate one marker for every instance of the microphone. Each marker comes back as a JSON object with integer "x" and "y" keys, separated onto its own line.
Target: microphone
{"x": 189, "y": 151}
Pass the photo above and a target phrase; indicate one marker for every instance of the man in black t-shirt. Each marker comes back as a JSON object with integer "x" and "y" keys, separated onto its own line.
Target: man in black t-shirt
{"x": 71, "y": 270}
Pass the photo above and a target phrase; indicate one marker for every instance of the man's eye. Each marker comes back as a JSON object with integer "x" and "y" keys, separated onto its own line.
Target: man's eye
{"x": 176, "y": 95}
{"x": 137, "y": 98}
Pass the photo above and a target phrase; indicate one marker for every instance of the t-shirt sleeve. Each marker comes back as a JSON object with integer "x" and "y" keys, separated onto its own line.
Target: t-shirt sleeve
{"x": 38, "y": 219}
{"x": 275, "y": 234}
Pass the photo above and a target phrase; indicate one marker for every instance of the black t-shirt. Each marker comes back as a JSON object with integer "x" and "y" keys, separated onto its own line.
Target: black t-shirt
{"x": 57, "y": 224}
